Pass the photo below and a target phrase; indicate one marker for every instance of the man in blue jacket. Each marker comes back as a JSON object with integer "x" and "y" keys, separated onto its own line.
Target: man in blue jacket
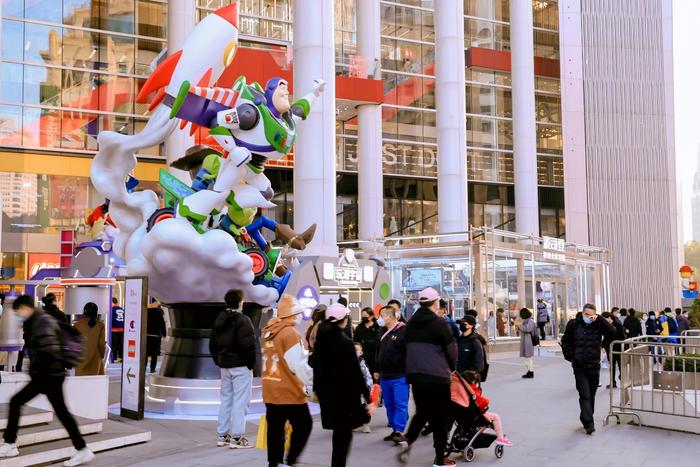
{"x": 431, "y": 356}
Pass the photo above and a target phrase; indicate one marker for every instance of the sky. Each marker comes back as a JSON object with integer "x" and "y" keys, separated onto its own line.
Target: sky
{"x": 686, "y": 77}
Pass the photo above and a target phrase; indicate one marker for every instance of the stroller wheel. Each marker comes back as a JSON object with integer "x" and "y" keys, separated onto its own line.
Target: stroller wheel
{"x": 469, "y": 454}
{"x": 498, "y": 451}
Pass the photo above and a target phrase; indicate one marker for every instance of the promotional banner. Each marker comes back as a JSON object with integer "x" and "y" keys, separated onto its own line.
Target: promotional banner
{"x": 134, "y": 359}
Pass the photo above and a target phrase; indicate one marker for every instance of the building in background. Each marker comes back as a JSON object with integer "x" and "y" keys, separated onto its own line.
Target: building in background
{"x": 695, "y": 203}
{"x": 71, "y": 68}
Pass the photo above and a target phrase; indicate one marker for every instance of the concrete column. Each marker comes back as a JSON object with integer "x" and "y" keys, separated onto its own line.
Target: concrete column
{"x": 314, "y": 159}
{"x": 182, "y": 18}
{"x": 522, "y": 299}
{"x": 524, "y": 128}
{"x": 451, "y": 112}
{"x": 370, "y": 182}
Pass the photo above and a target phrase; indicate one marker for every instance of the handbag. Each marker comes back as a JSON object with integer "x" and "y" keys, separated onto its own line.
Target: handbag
{"x": 535, "y": 339}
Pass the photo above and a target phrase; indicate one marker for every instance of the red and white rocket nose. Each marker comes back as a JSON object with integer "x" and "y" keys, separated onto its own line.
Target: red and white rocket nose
{"x": 229, "y": 13}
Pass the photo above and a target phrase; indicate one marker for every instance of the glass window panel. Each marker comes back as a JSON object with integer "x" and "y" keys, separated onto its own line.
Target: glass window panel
{"x": 430, "y": 219}
{"x": 12, "y": 34}
{"x": 388, "y": 15}
{"x": 476, "y": 214}
{"x": 42, "y": 44}
{"x": 389, "y": 125}
{"x": 83, "y": 13}
{"x": 491, "y": 9}
{"x": 118, "y": 16}
{"x": 505, "y": 134}
{"x": 550, "y": 171}
{"x": 547, "y": 44}
{"x": 545, "y": 14}
{"x": 429, "y": 127}
{"x": 12, "y": 82}
{"x": 409, "y": 159}
{"x": 428, "y": 93}
{"x": 116, "y": 53}
{"x": 548, "y": 222}
{"x": 44, "y": 10}
{"x": 11, "y": 125}
{"x": 549, "y": 139}
{"x": 80, "y": 90}
{"x": 490, "y": 166}
{"x": 428, "y": 27}
{"x": 42, "y": 127}
{"x": 481, "y": 132}
{"x": 408, "y": 23}
{"x": 492, "y": 215}
{"x": 147, "y": 55}
{"x": 79, "y": 130}
{"x": 116, "y": 93}
{"x": 409, "y": 91}
{"x": 412, "y": 215}
{"x": 389, "y": 57}
{"x": 80, "y": 48}
{"x": 548, "y": 108}
{"x": 410, "y": 57}
{"x": 547, "y": 84}
{"x": 410, "y": 125}
{"x": 14, "y": 8}
{"x": 42, "y": 85}
{"x": 152, "y": 19}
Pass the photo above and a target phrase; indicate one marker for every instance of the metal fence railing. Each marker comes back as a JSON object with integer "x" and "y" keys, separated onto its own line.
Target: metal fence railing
{"x": 659, "y": 381}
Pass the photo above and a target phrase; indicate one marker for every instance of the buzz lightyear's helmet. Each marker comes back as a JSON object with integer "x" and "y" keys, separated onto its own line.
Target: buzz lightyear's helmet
{"x": 270, "y": 88}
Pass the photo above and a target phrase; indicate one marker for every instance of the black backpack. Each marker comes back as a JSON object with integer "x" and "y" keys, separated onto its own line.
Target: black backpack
{"x": 484, "y": 373}
{"x": 72, "y": 345}
{"x": 672, "y": 325}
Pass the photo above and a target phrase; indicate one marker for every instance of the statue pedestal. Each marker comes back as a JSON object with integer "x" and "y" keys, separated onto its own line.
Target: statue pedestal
{"x": 188, "y": 382}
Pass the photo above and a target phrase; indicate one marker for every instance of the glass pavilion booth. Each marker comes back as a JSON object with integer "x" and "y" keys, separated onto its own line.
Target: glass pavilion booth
{"x": 498, "y": 273}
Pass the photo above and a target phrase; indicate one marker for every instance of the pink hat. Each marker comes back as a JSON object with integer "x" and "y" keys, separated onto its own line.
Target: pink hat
{"x": 428, "y": 295}
{"x": 336, "y": 312}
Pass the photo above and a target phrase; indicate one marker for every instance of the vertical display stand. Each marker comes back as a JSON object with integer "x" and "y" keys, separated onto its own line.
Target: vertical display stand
{"x": 134, "y": 354}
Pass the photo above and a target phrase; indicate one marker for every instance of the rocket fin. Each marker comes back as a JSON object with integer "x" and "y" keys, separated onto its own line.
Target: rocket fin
{"x": 160, "y": 77}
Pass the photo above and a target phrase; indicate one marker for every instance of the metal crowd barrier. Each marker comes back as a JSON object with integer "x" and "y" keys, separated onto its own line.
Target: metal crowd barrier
{"x": 659, "y": 381}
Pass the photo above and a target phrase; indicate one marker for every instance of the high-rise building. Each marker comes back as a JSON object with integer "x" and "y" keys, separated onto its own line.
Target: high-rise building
{"x": 695, "y": 202}
{"x": 523, "y": 145}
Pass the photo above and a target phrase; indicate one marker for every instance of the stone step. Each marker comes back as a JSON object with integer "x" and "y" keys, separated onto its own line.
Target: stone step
{"x": 114, "y": 435}
{"x": 30, "y": 416}
{"x": 54, "y": 431}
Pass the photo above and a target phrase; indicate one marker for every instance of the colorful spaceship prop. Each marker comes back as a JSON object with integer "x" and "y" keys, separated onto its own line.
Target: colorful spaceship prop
{"x": 198, "y": 246}
{"x": 688, "y": 285}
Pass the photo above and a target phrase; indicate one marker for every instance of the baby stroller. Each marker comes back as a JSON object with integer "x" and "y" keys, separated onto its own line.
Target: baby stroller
{"x": 472, "y": 430}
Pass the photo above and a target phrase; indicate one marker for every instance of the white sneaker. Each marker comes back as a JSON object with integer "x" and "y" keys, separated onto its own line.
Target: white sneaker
{"x": 240, "y": 443}
{"x": 8, "y": 450}
{"x": 83, "y": 456}
{"x": 223, "y": 440}
{"x": 366, "y": 428}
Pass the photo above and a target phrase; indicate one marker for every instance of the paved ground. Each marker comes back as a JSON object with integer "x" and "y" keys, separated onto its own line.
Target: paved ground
{"x": 540, "y": 416}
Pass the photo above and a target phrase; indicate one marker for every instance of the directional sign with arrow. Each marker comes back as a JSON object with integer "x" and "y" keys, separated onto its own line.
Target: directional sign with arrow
{"x": 129, "y": 375}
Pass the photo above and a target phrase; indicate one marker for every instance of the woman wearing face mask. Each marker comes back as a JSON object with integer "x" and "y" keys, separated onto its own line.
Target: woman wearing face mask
{"x": 367, "y": 334}
{"x": 471, "y": 351}
{"x": 653, "y": 328}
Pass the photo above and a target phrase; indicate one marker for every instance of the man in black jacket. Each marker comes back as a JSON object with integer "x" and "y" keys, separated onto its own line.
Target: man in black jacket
{"x": 632, "y": 325}
{"x": 46, "y": 369}
{"x": 391, "y": 372}
{"x": 471, "y": 351}
{"x": 232, "y": 346}
{"x": 367, "y": 334}
{"x": 581, "y": 345}
{"x": 613, "y": 352}
{"x": 431, "y": 355}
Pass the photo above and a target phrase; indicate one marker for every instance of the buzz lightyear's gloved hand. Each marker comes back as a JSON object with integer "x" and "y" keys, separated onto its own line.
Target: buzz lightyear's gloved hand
{"x": 319, "y": 87}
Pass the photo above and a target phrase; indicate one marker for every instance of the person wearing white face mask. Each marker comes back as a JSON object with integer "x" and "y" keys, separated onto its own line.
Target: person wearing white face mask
{"x": 581, "y": 346}
{"x": 286, "y": 372}
{"x": 232, "y": 346}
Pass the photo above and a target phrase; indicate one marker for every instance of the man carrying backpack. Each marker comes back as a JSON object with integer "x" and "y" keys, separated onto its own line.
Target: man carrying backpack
{"x": 47, "y": 370}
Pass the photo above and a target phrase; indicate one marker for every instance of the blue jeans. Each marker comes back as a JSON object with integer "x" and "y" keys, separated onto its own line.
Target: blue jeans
{"x": 236, "y": 384}
{"x": 395, "y": 392}
{"x": 254, "y": 230}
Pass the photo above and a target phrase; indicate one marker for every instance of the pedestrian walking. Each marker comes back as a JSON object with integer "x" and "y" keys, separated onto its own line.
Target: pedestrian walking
{"x": 391, "y": 372}
{"x": 683, "y": 322}
{"x": 47, "y": 373}
{"x": 527, "y": 343}
{"x": 317, "y": 317}
{"x": 338, "y": 383}
{"x": 471, "y": 351}
{"x": 232, "y": 346}
{"x": 155, "y": 331}
{"x": 632, "y": 324}
{"x": 51, "y": 307}
{"x": 367, "y": 335}
{"x": 542, "y": 317}
{"x": 117, "y": 330}
{"x": 93, "y": 330}
{"x": 369, "y": 382}
{"x": 444, "y": 313}
{"x": 613, "y": 351}
{"x": 581, "y": 344}
{"x": 348, "y": 330}
{"x": 431, "y": 356}
{"x": 286, "y": 373}
{"x": 653, "y": 331}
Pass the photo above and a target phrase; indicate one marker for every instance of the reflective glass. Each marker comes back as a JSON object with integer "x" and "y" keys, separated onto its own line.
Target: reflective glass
{"x": 80, "y": 13}
{"x": 12, "y": 77}
{"x": 491, "y": 9}
{"x": 410, "y": 125}
{"x": 549, "y": 139}
{"x": 481, "y": 132}
{"x": 548, "y": 108}
{"x": 547, "y": 44}
{"x": 490, "y": 166}
{"x": 44, "y": 10}
{"x": 116, "y": 93}
{"x": 12, "y": 34}
{"x": 79, "y": 130}
{"x": 41, "y": 128}
{"x": 13, "y": 8}
{"x": 11, "y": 125}
{"x": 42, "y": 85}
{"x": 409, "y": 159}
{"x": 147, "y": 55}
{"x": 42, "y": 44}
{"x": 550, "y": 171}
{"x": 80, "y": 89}
{"x": 117, "y": 15}
{"x": 80, "y": 48}
{"x": 117, "y": 53}
{"x": 488, "y": 100}
{"x": 152, "y": 19}
{"x": 545, "y": 14}
{"x": 486, "y": 34}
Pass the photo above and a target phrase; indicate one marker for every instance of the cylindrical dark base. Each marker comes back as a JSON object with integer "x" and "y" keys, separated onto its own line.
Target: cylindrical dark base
{"x": 187, "y": 353}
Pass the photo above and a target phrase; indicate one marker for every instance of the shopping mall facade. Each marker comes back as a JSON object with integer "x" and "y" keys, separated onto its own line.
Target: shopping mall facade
{"x": 556, "y": 145}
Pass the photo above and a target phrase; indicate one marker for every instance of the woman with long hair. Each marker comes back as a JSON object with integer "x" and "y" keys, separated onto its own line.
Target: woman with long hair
{"x": 94, "y": 332}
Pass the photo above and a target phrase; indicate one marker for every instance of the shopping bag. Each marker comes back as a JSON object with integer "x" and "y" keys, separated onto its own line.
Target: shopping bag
{"x": 287, "y": 436}
{"x": 261, "y": 440}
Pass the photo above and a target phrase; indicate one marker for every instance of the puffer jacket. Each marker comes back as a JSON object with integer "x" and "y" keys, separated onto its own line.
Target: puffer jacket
{"x": 431, "y": 349}
{"x": 41, "y": 334}
{"x": 581, "y": 342}
{"x": 232, "y": 341}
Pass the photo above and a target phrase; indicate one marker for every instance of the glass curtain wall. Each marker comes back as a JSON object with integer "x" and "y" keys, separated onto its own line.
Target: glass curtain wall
{"x": 72, "y": 68}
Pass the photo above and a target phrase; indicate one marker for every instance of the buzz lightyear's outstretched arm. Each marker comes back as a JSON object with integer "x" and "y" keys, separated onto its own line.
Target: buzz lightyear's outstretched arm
{"x": 300, "y": 108}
